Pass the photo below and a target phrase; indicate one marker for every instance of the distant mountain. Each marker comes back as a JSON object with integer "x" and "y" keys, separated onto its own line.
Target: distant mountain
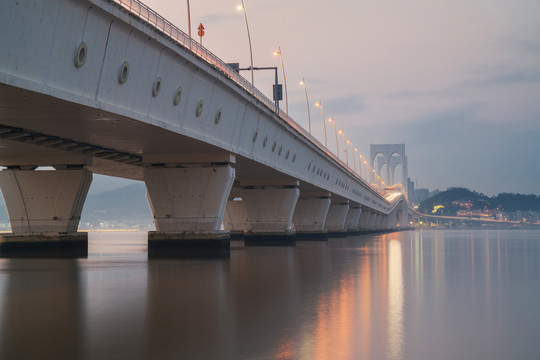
{"x": 125, "y": 206}
{"x": 453, "y": 199}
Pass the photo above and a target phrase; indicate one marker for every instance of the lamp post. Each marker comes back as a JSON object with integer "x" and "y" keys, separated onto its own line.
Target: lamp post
{"x": 341, "y": 132}
{"x": 360, "y": 164}
{"x": 276, "y": 53}
{"x": 303, "y": 83}
{"x": 335, "y": 132}
{"x": 189, "y": 23}
{"x": 365, "y": 170}
{"x": 346, "y": 151}
{"x": 354, "y": 158}
{"x": 243, "y": 8}
{"x": 319, "y": 104}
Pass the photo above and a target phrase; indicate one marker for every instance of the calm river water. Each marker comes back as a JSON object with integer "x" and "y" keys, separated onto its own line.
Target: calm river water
{"x": 457, "y": 294}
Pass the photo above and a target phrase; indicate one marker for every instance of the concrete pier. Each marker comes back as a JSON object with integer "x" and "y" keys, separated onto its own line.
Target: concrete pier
{"x": 310, "y": 216}
{"x": 270, "y": 207}
{"x": 335, "y": 220}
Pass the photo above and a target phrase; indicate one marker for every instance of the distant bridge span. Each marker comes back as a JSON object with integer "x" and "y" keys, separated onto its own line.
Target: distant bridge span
{"x": 110, "y": 87}
{"x": 414, "y": 213}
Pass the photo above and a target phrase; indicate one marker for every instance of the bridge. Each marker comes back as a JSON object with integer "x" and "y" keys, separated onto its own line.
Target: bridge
{"x": 111, "y": 87}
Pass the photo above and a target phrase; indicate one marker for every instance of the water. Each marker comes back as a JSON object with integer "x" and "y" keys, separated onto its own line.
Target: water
{"x": 413, "y": 295}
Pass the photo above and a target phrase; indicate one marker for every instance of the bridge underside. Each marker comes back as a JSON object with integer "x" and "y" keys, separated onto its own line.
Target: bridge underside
{"x": 41, "y": 114}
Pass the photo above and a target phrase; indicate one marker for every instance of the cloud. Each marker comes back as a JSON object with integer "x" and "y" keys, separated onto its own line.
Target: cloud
{"x": 344, "y": 105}
{"x": 449, "y": 148}
{"x": 508, "y": 77}
{"x": 220, "y": 18}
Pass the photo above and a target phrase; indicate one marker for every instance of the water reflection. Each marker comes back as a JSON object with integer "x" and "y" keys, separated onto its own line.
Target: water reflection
{"x": 414, "y": 295}
{"x": 395, "y": 301}
{"x": 41, "y": 310}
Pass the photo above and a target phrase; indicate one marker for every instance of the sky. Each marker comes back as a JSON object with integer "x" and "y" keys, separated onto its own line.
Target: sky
{"x": 456, "y": 81}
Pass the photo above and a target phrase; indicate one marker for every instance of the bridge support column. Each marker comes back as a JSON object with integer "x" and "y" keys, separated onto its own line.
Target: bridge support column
{"x": 44, "y": 210}
{"x": 384, "y": 222}
{"x": 351, "y": 222}
{"x": 188, "y": 205}
{"x": 392, "y": 220}
{"x": 371, "y": 221}
{"x": 335, "y": 220}
{"x": 310, "y": 216}
{"x": 270, "y": 210}
{"x": 378, "y": 220}
{"x": 235, "y": 219}
{"x": 364, "y": 219}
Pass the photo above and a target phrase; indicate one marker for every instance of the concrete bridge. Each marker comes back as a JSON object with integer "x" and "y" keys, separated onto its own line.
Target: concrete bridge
{"x": 110, "y": 87}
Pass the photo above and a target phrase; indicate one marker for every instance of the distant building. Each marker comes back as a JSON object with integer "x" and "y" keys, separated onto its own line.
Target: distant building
{"x": 421, "y": 194}
{"x": 410, "y": 191}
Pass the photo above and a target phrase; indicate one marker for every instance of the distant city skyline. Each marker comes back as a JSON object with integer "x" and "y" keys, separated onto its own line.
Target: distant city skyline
{"x": 457, "y": 81}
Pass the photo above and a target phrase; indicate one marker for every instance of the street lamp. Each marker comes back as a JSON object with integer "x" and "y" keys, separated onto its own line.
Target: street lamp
{"x": 243, "y": 8}
{"x": 346, "y": 151}
{"x": 303, "y": 83}
{"x": 360, "y": 164}
{"x": 341, "y": 132}
{"x": 335, "y": 132}
{"x": 319, "y": 104}
{"x": 354, "y": 158}
{"x": 189, "y": 23}
{"x": 276, "y": 53}
{"x": 365, "y": 170}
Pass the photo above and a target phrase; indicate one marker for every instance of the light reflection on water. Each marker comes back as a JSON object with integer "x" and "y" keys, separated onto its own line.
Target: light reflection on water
{"x": 412, "y": 295}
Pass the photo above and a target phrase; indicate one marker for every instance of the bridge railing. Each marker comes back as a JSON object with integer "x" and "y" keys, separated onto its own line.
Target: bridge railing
{"x": 148, "y": 15}
{"x": 143, "y": 12}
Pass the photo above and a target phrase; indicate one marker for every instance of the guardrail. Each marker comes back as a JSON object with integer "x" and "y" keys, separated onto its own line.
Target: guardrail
{"x": 148, "y": 15}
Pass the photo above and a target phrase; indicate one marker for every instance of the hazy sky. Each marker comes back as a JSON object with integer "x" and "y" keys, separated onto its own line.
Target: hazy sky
{"x": 457, "y": 81}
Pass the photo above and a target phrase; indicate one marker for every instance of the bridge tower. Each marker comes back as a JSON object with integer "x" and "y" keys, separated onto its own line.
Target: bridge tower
{"x": 388, "y": 151}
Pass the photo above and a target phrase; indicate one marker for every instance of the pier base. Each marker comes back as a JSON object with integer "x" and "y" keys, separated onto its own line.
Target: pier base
{"x": 44, "y": 245}
{"x": 337, "y": 233}
{"x": 321, "y": 235}
{"x": 205, "y": 244}
{"x": 278, "y": 238}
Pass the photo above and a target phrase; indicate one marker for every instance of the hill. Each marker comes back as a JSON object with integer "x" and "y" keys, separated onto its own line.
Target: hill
{"x": 450, "y": 201}
{"x": 123, "y": 207}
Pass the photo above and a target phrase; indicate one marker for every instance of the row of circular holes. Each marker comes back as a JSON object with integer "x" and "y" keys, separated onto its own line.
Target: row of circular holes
{"x": 342, "y": 184}
{"x": 80, "y": 59}
{"x": 320, "y": 172}
{"x": 256, "y": 134}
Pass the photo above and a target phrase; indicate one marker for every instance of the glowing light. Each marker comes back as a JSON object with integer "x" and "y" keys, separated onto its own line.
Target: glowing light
{"x": 317, "y": 104}
{"x": 436, "y": 208}
{"x": 239, "y": 7}
{"x": 391, "y": 197}
{"x": 276, "y": 53}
